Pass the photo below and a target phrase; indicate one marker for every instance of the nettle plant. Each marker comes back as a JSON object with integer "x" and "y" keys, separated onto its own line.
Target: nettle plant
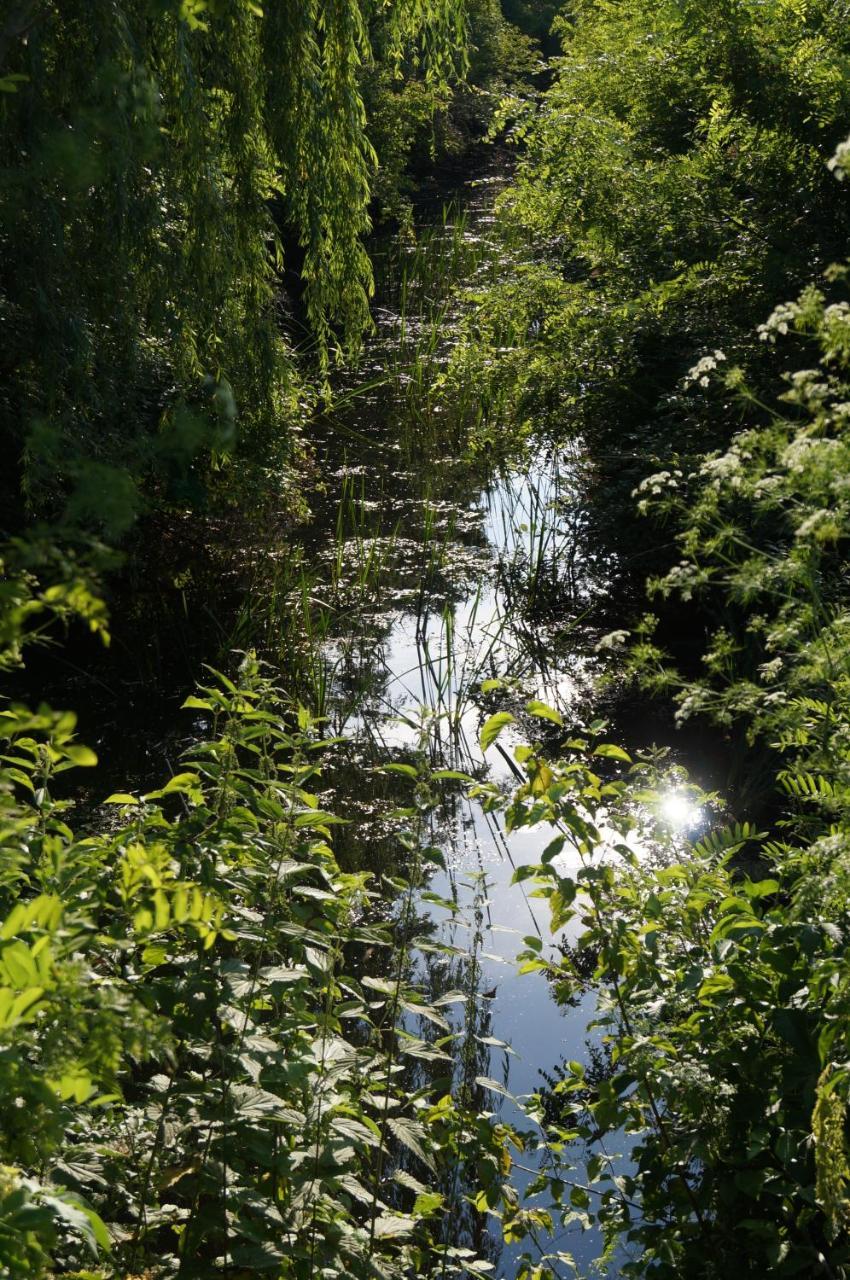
{"x": 199, "y": 1075}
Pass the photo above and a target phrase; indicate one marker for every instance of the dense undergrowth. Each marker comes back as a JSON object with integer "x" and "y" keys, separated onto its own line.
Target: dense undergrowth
{"x": 677, "y": 182}
{"x": 671, "y": 189}
{"x": 200, "y": 1075}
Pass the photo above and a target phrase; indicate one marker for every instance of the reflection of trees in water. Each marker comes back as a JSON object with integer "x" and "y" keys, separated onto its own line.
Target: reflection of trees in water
{"x": 569, "y": 1109}
{"x": 579, "y": 966}
{"x": 442, "y": 974}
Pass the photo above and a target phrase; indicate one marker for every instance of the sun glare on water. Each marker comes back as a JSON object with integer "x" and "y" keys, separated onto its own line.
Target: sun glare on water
{"x": 681, "y": 812}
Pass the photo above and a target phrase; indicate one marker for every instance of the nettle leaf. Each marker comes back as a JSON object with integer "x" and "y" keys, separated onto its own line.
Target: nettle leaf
{"x": 252, "y": 1104}
{"x": 493, "y": 1085}
{"x": 393, "y": 1226}
{"x": 426, "y": 1011}
{"x": 494, "y": 1043}
{"x": 382, "y": 985}
{"x": 414, "y": 1048}
{"x": 405, "y": 1179}
{"x": 411, "y": 1135}
{"x": 357, "y": 1130}
{"x": 347, "y": 1182}
{"x": 280, "y": 975}
{"x": 259, "y": 1256}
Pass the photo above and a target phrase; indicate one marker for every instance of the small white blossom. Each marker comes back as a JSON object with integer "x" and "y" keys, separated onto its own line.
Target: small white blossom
{"x": 779, "y": 321}
{"x": 699, "y": 374}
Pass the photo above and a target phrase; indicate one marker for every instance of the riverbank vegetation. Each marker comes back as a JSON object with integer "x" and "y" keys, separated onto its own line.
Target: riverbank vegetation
{"x": 217, "y": 1052}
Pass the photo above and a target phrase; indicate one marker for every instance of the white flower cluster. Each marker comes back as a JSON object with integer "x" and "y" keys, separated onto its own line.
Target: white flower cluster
{"x": 837, "y": 312}
{"x": 804, "y": 452}
{"x": 684, "y": 578}
{"x": 725, "y": 468}
{"x": 780, "y": 321}
{"x": 807, "y": 388}
{"x": 820, "y": 524}
{"x": 653, "y": 486}
{"x": 699, "y": 374}
{"x": 836, "y": 329}
{"x": 767, "y": 486}
{"x": 614, "y": 642}
{"x": 840, "y": 162}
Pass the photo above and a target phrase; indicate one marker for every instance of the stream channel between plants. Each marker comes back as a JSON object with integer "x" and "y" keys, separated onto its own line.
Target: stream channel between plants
{"x": 423, "y": 576}
{"x": 431, "y": 587}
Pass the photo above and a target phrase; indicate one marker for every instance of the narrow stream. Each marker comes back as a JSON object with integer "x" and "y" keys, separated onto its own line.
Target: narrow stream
{"x": 430, "y": 569}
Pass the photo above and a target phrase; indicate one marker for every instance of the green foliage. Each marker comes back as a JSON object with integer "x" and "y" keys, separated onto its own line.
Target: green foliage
{"x": 199, "y": 1074}
{"x": 723, "y": 1000}
{"x": 763, "y": 530}
{"x": 417, "y": 125}
{"x": 672, "y": 183}
{"x": 721, "y": 965}
{"x": 155, "y": 158}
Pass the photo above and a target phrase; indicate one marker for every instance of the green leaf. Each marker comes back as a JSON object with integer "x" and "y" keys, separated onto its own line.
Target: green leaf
{"x": 611, "y": 752}
{"x": 411, "y": 1135}
{"x": 81, "y": 1219}
{"x": 493, "y": 727}
{"x": 493, "y": 1085}
{"x": 427, "y": 1204}
{"x": 405, "y": 1179}
{"x": 82, "y": 756}
{"x": 544, "y": 712}
{"x": 407, "y": 770}
{"x": 760, "y": 888}
{"x": 393, "y": 1226}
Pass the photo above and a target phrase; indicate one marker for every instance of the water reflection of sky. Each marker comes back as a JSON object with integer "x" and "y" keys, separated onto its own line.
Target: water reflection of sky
{"x": 436, "y": 657}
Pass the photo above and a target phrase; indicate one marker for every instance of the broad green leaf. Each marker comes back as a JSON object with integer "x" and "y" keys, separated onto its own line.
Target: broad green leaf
{"x": 544, "y": 712}
{"x": 411, "y": 1135}
{"x": 83, "y": 756}
{"x": 611, "y": 752}
{"x": 393, "y": 1226}
{"x": 493, "y": 727}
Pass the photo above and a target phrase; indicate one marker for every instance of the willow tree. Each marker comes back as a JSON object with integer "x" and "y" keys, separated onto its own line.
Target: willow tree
{"x": 154, "y": 157}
